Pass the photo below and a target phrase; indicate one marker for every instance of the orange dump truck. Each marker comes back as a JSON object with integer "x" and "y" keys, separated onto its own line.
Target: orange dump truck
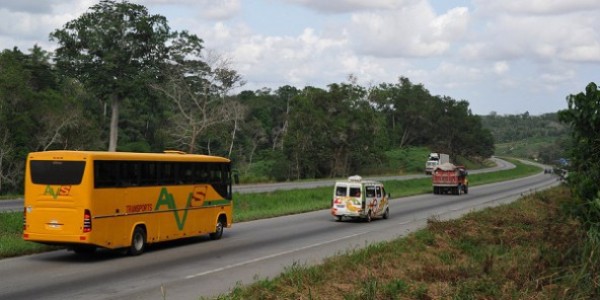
{"x": 450, "y": 179}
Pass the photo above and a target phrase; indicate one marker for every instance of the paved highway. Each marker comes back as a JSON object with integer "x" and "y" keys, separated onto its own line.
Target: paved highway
{"x": 247, "y": 252}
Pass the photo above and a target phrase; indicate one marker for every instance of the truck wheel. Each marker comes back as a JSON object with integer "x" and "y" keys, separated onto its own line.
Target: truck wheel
{"x": 386, "y": 214}
{"x": 138, "y": 241}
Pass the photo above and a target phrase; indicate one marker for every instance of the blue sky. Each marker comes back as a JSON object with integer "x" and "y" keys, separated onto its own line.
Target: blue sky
{"x": 507, "y": 56}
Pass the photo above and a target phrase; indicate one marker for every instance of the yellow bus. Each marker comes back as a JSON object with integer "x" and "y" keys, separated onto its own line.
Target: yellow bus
{"x": 89, "y": 199}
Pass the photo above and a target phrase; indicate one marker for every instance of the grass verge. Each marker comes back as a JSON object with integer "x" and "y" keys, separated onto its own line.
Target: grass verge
{"x": 529, "y": 249}
{"x": 11, "y": 241}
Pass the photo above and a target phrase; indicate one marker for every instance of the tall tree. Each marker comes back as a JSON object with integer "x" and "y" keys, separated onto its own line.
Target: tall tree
{"x": 583, "y": 115}
{"x": 408, "y": 108}
{"x": 198, "y": 87}
{"x": 111, "y": 48}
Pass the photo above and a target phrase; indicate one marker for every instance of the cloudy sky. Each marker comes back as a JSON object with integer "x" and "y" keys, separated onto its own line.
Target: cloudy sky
{"x": 507, "y": 56}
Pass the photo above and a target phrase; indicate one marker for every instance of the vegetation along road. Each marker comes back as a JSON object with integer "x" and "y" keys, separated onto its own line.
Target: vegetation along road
{"x": 249, "y": 251}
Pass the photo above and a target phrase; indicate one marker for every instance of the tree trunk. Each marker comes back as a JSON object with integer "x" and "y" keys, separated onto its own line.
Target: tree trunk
{"x": 192, "y": 147}
{"x": 114, "y": 124}
{"x": 233, "y": 136}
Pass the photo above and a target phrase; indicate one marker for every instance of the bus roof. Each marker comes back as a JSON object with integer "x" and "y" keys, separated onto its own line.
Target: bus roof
{"x": 104, "y": 155}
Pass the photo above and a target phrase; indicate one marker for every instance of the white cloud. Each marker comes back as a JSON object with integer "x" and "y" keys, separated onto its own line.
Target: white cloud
{"x": 551, "y": 80}
{"x": 411, "y": 31}
{"x": 211, "y": 10}
{"x": 545, "y": 38}
{"x": 537, "y": 7}
{"x": 501, "y": 67}
{"x": 220, "y": 10}
{"x": 583, "y": 53}
{"x": 345, "y": 6}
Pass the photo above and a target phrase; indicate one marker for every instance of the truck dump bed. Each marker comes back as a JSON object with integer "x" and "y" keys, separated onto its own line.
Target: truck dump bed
{"x": 448, "y": 178}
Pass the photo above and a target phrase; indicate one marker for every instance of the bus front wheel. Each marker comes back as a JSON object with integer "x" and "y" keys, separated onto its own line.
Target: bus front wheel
{"x": 138, "y": 241}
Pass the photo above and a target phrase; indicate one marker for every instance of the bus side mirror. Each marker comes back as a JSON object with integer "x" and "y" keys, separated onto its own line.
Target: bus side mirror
{"x": 389, "y": 195}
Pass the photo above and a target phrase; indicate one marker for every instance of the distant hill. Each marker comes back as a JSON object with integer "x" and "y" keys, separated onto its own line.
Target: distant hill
{"x": 543, "y": 138}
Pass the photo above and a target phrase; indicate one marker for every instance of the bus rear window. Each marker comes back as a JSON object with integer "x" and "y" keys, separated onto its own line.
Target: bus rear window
{"x": 56, "y": 172}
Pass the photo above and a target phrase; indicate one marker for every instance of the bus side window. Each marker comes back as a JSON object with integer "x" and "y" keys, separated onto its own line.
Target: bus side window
{"x": 148, "y": 174}
{"x": 186, "y": 173}
{"x": 106, "y": 173}
{"x": 130, "y": 173}
{"x": 167, "y": 173}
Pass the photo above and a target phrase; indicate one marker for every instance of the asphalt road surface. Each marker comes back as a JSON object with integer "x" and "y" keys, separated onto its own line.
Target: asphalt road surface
{"x": 247, "y": 252}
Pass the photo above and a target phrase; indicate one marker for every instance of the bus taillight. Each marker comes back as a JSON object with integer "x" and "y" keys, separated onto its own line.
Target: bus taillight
{"x": 87, "y": 221}
{"x": 24, "y": 218}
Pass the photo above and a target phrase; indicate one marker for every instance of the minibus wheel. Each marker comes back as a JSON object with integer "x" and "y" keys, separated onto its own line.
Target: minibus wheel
{"x": 386, "y": 214}
{"x": 138, "y": 241}
{"x": 369, "y": 218}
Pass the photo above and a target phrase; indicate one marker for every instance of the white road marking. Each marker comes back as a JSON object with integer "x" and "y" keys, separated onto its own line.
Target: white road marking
{"x": 270, "y": 256}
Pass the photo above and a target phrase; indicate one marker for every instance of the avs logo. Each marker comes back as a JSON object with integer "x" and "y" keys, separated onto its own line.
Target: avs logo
{"x": 166, "y": 198}
{"x": 62, "y": 190}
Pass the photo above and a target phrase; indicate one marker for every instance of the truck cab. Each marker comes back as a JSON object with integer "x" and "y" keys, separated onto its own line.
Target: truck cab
{"x": 434, "y": 160}
{"x": 356, "y": 198}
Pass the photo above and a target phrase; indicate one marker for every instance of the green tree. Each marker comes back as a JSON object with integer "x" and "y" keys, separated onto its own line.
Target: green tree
{"x": 332, "y": 133}
{"x": 111, "y": 49}
{"x": 198, "y": 92}
{"x": 583, "y": 115}
{"x": 39, "y": 110}
{"x": 409, "y": 108}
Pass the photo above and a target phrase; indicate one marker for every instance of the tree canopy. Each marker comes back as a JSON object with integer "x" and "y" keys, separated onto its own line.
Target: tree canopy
{"x": 171, "y": 93}
{"x": 114, "y": 48}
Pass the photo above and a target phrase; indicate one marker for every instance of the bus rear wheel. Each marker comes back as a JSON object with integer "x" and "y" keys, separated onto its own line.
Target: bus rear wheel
{"x": 138, "y": 241}
{"x": 218, "y": 231}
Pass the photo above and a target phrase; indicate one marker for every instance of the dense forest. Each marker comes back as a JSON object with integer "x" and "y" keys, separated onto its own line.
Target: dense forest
{"x": 121, "y": 80}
